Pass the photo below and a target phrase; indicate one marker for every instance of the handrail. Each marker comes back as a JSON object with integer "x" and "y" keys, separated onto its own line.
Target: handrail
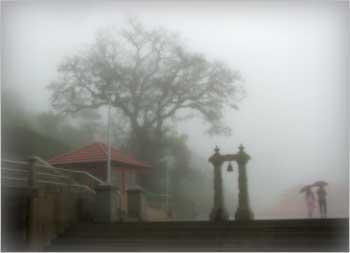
{"x": 49, "y": 166}
{"x": 149, "y": 192}
{"x": 11, "y": 169}
{"x": 73, "y": 185}
{"x": 45, "y": 165}
{"x": 51, "y": 175}
{"x": 15, "y": 178}
{"x": 157, "y": 194}
{"x": 15, "y": 162}
{"x": 51, "y": 182}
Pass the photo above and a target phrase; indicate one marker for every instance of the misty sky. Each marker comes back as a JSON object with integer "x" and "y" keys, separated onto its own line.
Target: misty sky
{"x": 292, "y": 56}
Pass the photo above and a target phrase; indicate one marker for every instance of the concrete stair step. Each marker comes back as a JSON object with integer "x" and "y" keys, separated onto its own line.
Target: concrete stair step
{"x": 245, "y": 233}
{"x": 232, "y": 228}
{"x": 199, "y": 248}
{"x": 212, "y": 230}
{"x": 200, "y": 245}
{"x": 307, "y": 235}
{"x": 194, "y": 240}
{"x": 201, "y": 234}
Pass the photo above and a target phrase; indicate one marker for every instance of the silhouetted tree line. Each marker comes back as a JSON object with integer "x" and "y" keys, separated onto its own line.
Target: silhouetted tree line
{"x": 25, "y": 133}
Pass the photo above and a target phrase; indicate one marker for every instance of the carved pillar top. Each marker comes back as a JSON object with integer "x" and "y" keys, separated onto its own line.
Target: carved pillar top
{"x": 216, "y": 158}
{"x": 242, "y": 157}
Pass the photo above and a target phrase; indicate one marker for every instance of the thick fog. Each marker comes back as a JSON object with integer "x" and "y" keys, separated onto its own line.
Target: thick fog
{"x": 293, "y": 58}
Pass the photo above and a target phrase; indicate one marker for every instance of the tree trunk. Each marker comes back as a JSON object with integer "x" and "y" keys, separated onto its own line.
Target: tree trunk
{"x": 148, "y": 148}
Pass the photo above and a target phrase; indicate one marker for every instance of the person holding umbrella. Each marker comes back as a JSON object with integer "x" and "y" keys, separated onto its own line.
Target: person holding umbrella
{"x": 322, "y": 201}
{"x": 309, "y": 199}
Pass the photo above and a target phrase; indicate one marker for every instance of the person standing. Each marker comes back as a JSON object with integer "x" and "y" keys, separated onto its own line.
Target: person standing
{"x": 310, "y": 201}
{"x": 322, "y": 201}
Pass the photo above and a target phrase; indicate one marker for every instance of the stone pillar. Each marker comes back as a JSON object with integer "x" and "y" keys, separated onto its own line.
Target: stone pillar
{"x": 243, "y": 211}
{"x": 136, "y": 203}
{"x": 218, "y": 213}
{"x": 107, "y": 203}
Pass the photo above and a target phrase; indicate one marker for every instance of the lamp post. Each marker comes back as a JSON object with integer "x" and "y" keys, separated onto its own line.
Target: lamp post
{"x": 106, "y": 202}
{"x": 109, "y": 172}
{"x": 167, "y": 189}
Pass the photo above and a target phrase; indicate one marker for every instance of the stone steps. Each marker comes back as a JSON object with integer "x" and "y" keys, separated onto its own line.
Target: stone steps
{"x": 272, "y": 235}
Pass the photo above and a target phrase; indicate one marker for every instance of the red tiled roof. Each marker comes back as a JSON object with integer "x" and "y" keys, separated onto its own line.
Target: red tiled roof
{"x": 97, "y": 152}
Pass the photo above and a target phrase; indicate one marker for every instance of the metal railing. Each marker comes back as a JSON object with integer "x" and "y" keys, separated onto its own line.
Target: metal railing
{"x": 83, "y": 173}
{"x": 57, "y": 197}
{"x": 31, "y": 173}
{"x": 158, "y": 200}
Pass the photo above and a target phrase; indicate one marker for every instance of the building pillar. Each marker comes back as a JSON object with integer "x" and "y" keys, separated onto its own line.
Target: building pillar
{"x": 107, "y": 203}
{"x": 136, "y": 203}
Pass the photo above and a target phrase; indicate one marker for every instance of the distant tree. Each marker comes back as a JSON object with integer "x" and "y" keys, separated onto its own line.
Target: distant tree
{"x": 150, "y": 79}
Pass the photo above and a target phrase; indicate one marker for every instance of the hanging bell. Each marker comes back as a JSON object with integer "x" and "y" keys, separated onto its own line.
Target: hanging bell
{"x": 229, "y": 167}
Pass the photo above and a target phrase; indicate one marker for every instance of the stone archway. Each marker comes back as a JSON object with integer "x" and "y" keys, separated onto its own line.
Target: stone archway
{"x": 219, "y": 212}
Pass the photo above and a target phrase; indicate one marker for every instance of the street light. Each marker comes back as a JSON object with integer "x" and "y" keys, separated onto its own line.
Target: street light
{"x": 109, "y": 172}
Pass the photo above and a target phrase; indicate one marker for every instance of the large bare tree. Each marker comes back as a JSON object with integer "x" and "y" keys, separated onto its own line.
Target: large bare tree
{"x": 150, "y": 78}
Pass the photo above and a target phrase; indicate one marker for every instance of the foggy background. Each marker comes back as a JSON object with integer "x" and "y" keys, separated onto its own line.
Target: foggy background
{"x": 293, "y": 58}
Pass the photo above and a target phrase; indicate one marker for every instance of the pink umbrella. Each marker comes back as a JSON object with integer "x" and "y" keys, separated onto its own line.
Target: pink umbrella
{"x": 305, "y": 188}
